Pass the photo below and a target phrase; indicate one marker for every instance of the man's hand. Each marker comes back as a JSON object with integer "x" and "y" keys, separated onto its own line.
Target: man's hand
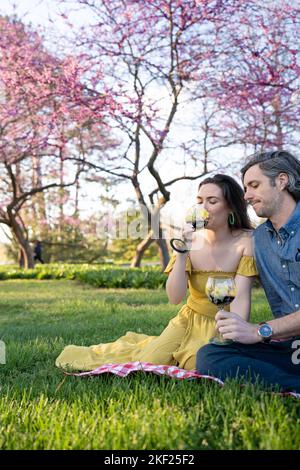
{"x": 232, "y": 326}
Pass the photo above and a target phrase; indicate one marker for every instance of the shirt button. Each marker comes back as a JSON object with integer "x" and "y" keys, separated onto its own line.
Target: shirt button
{"x": 292, "y": 232}
{"x": 283, "y": 266}
{"x": 292, "y": 289}
{"x": 278, "y": 241}
{"x": 296, "y": 305}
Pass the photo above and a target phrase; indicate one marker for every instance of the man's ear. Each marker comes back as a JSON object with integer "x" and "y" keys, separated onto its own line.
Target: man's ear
{"x": 282, "y": 181}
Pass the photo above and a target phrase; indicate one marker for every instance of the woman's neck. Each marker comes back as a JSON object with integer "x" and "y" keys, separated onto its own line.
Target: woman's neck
{"x": 214, "y": 237}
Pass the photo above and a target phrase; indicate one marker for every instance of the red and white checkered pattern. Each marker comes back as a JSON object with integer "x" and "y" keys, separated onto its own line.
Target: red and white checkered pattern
{"x": 122, "y": 370}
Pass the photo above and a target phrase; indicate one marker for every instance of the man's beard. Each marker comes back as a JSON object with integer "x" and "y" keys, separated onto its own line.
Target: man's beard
{"x": 266, "y": 211}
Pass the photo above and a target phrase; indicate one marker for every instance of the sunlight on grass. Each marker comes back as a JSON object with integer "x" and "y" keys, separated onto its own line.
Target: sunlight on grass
{"x": 40, "y": 409}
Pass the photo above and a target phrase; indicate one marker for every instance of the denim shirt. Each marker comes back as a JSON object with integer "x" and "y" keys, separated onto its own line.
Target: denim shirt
{"x": 277, "y": 257}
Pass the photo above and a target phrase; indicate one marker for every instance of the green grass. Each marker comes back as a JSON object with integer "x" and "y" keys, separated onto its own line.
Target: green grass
{"x": 39, "y": 409}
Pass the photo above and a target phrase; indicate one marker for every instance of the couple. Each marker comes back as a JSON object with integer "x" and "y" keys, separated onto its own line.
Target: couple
{"x": 272, "y": 187}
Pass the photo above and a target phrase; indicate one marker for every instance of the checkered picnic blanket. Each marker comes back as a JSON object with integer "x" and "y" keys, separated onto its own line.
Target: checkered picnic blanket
{"x": 122, "y": 370}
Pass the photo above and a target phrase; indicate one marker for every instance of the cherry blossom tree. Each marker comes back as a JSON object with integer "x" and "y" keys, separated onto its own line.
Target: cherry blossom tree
{"x": 45, "y": 107}
{"x": 149, "y": 53}
{"x": 257, "y": 81}
{"x": 238, "y": 59}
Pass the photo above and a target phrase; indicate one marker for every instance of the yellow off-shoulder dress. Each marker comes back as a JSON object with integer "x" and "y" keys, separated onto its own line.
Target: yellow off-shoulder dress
{"x": 177, "y": 345}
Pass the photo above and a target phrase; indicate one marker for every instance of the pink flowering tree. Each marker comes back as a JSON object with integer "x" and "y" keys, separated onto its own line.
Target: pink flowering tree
{"x": 45, "y": 109}
{"x": 150, "y": 54}
{"x": 238, "y": 59}
{"x": 257, "y": 83}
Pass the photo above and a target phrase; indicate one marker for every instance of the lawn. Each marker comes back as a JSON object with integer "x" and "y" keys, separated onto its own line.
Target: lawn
{"x": 41, "y": 410}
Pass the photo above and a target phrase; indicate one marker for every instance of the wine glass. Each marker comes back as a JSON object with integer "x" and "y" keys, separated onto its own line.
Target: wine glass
{"x": 197, "y": 216}
{"x": 221, "y": 291}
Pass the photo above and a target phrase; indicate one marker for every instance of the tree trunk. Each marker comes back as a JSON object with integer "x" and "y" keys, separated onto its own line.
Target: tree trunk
{"x": 61, "y": 201}
{"x": 21, "y": 258}
{"x": 140, "y": 250}
{"x": 163, "y": 252}
{"x": 38, "y": 205}
{"x": 26, "y": 253}
{"x": 159, "y": 239}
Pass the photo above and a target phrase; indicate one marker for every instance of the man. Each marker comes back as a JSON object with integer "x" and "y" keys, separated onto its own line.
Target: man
{"x": 268, "y": 351}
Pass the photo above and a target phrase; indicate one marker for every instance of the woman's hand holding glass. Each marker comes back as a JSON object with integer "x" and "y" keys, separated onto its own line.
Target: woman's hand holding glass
{"x": 187, "y": 233}
{"x": 195, "y": 219}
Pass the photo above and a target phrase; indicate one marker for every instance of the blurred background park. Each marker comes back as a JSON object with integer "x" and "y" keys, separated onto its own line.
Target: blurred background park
{"x": 113, "y": 112}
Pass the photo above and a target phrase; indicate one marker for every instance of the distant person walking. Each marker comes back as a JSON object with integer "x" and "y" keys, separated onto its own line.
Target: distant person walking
{"x": 38, "y": 252}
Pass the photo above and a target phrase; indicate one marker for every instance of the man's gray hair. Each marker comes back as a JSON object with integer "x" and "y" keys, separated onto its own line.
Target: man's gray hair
{"x": 274, "y": 163}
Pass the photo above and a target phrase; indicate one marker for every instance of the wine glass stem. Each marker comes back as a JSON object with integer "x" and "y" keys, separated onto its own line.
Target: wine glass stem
{"x": 218, "y": 333}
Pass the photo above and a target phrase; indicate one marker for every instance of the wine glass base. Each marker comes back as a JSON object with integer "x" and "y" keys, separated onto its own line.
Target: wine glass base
{"x": 179, "y": 245}
{"x": 220, "y": 341}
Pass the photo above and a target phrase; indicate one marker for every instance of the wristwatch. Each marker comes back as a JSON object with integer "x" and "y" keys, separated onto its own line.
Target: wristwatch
{"x": 265, "y": 331}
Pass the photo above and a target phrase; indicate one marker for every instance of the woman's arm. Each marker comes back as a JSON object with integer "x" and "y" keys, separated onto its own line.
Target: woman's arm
{"x": 242, "y": 302}
{"x": 177, "y": 282}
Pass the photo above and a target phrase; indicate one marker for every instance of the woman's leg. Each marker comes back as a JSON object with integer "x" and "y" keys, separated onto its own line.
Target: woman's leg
{"x": 161, "y": 349}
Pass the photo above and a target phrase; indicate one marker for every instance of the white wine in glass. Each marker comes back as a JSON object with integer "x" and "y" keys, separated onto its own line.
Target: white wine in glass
{"x": 197, "y": 216}
{"x": 221, "y": 291}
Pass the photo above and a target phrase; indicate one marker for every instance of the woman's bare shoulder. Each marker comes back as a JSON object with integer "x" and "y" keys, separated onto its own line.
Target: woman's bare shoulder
{"x": 246, "y": 241}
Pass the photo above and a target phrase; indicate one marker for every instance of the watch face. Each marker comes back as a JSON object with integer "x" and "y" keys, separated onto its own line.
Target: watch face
{"x": 265, "y": 331}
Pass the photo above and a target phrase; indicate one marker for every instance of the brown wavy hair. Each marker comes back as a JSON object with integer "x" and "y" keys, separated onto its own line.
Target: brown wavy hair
{"x": 234, "y": 196}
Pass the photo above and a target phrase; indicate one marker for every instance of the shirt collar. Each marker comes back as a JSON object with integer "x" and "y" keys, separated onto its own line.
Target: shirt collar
{"x": 291, "y": 226}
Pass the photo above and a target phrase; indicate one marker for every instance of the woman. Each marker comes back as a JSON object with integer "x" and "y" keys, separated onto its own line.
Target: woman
{"x": 223, "y": 247}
